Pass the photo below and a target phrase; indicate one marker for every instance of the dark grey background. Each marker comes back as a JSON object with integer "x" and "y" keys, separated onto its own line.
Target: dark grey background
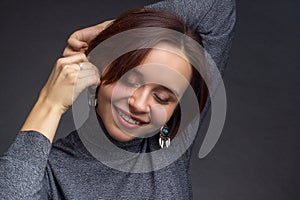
{"x": 257, "y": 154}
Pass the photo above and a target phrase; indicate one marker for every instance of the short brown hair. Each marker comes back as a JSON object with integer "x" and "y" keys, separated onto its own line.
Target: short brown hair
{"x": 141, "y": 18}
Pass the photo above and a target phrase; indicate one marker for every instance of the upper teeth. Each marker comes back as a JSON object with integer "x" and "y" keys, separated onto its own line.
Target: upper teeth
{"x": 128, "y": 119}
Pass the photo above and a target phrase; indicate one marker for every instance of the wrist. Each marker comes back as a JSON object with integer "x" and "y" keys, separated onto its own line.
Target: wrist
{"x": 48, "y": 106}
{"x": 46, "y": 103}
{"x": 43, "y": 118}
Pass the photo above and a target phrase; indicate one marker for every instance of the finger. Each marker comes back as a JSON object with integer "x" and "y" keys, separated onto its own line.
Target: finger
{"x": 90, "y": 33}
{"x": 79, "y": 40}
{"x": 66, "y": 62}
{"x": 73, "y": 67}
{"x": 106, "y": 24}
{"x": 88, "y": 65}
{"x": 76, "y": 58}
{"x": 88, "y": 81}
{"x": 76, "y": 43}
{"x": 70, "y": 71}
{"x": 68, "y": 51}
{"x": 86, "y": 73}
{"x": 83, "y": 37}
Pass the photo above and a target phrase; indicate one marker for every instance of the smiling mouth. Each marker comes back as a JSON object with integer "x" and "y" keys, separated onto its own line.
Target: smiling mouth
{"x": 130, "y": 118}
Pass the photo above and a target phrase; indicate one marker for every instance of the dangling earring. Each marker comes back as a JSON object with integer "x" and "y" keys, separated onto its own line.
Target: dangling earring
{"x": 92, "y": 100}
{"x": 164, "y": 139}
{"x": 92, "y": 97}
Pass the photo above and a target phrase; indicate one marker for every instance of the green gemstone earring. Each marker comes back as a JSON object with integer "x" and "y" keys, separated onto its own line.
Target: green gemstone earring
{"x": 164, "y": 139}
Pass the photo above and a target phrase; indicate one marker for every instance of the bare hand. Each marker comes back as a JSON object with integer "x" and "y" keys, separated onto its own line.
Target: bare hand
{"x": 79, "y": 40}
{"x": 70, "y": 76}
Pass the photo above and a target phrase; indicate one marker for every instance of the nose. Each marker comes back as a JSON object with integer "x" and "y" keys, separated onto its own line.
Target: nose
{"x": 139, "y": 102}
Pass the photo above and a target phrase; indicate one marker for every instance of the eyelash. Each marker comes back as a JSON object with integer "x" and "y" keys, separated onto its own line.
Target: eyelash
{"x": 162, "y": 101}
{"x": 137, "y": 84}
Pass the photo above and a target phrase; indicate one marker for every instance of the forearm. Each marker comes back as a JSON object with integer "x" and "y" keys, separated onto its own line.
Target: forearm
{"x": 69, "y": 77}
{"x": 213, "y": 19}
{"x": 43, "y": 118}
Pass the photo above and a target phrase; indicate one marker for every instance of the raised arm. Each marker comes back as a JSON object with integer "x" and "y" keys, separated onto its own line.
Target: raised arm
{"x": 214, "y": 20}
{"x": 23, "y": 166}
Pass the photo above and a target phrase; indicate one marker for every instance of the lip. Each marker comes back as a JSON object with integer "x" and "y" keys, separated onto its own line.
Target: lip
{"x": 125, "y": 123}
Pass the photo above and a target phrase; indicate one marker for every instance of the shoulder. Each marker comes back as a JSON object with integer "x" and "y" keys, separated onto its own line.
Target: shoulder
{"x": 69, "y": 147}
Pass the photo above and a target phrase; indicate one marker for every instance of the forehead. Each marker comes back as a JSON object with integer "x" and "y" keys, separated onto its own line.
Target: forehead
{"x": 171, "y": 57}
{"x": 167, "y": 66}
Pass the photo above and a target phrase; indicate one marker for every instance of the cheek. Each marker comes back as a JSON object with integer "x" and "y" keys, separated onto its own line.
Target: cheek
{"x": 160, "y": 114}
{"x": 113, "y": 92}
{"x": 104, "y": 94}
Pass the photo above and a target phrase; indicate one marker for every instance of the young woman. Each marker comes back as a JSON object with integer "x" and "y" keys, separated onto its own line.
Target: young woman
{"x": 139, "y": 93}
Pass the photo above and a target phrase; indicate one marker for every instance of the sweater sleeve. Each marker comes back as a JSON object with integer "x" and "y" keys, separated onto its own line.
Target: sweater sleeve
{"x": 213, "y": 19}
{"x": 23, "y": 167}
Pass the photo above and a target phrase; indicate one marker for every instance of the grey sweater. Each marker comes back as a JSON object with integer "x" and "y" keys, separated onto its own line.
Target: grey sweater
{"x": 33, "y": 168}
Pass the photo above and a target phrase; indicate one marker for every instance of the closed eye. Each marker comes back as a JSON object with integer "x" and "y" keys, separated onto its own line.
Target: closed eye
{"x": 164, "y": 96}
{"x": 160, "y": 99}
